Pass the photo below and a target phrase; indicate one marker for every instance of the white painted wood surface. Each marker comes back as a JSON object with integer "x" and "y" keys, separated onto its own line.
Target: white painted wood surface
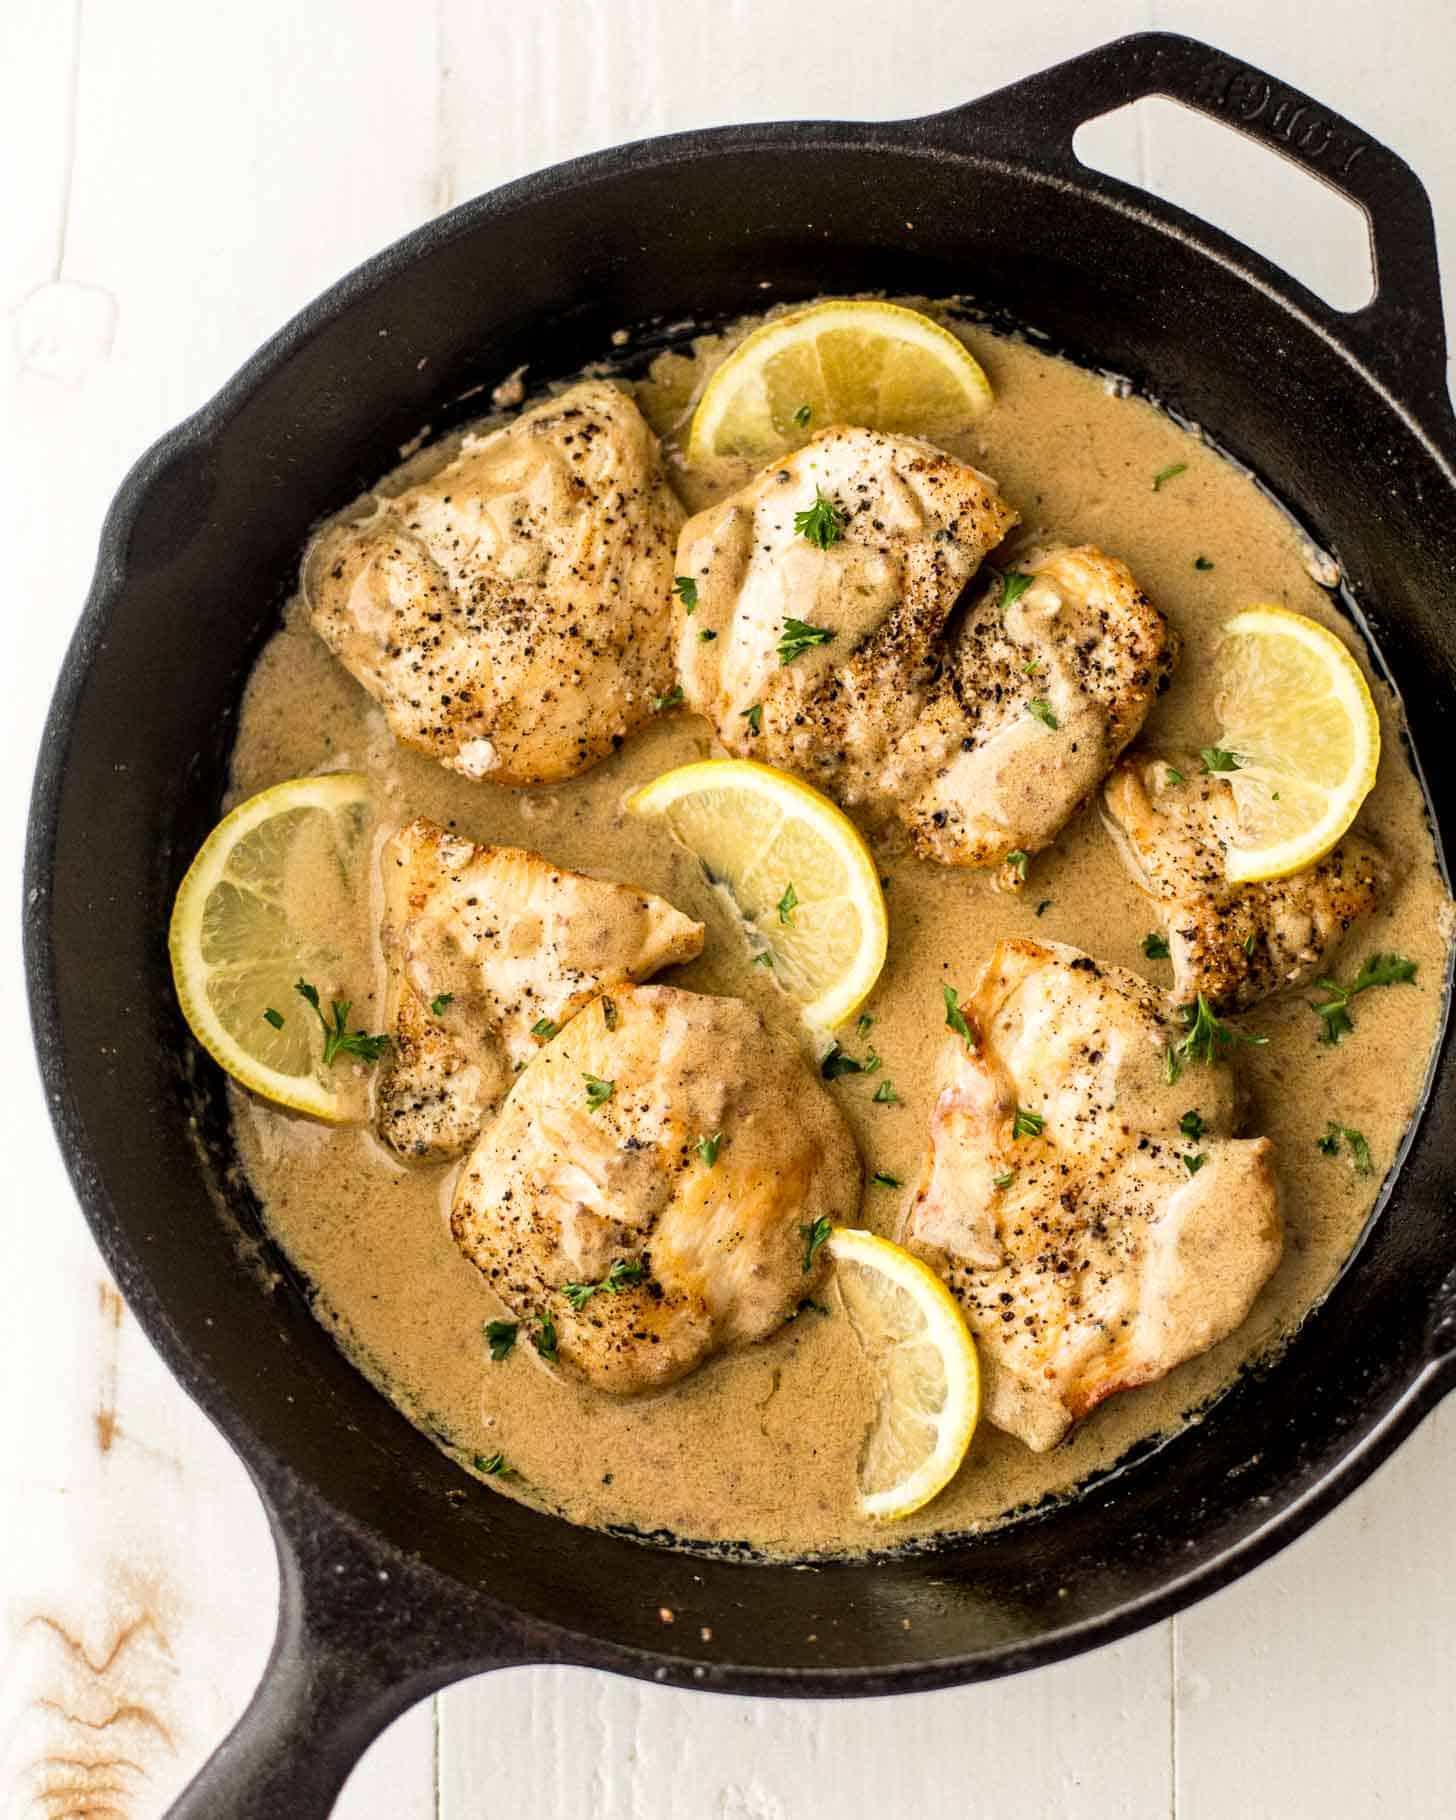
{"x": 175, "y": 180}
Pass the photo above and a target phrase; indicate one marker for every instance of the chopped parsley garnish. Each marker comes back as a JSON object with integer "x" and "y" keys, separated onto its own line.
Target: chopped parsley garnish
{"x": 1027, "y": 1124}
{"x": 609, "y": 1013}
{"x": 1377, "y": 970}
{"x": 1359, "y": 1148}
{"x": 622, "y": 1272}
{"x": 1004, "y": 1181}
{"x": 863, "y": 1024}
{"x": 798, "y": 636}
{"x": 813, "y": 1237}
{"x": 872, "y": 1062}
{"x": 1172, "y": 775}
{"x": 492, "y": 1463}
{"x": 1030, "y": 667}
{"x": 500, "y": 1336}
{"x": 1202, "y": 562}
{"x": 837, "y": 1063}
{"x": 1193, "y": 1163}
{"x": 885, "y": 1094}
{"x": 1164, "y": 475}
{"x": 881, "y": 1179}
{"x": 544, "y": 1337}
{"x": 1044, "y": 905}
{"x": 764, "y": 958}
{"x": 1013, "y": 585}
{"x": 787, "y": 903}
{"x": 802, "y": 416}
{"x": 338, "y": 1038}
{"x": 1192, "y": 1126}
{"x": 598, "y": 1091}
{"x": 754, "y": 717}
{"x": 686, "y": 590}
{"x": 1215, "y": 758}
{"x": 708, "y": 1148}
{"x": 1155, "y": 946}
{"x": 275, "y": 1018}
{"x": 1206, "y": 1039}
{"x": 955, "y": 1018}
{"x": 1017, "y": 860}
{"x": 705, "y": 637}
{"x": 1248, "y": 944}
{"x": 1040, "y": 709}
{"x": 544, "y": 1029}
{"x": 822, "y": 523}
{"x": 440, "y": 1001}
{"x": 673, "y": 699}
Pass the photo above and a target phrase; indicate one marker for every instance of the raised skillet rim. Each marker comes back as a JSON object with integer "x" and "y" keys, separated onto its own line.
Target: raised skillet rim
{"x": 281, "y": 1487}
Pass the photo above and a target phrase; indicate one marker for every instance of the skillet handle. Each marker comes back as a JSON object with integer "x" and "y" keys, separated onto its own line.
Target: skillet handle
{"x": 362, "y": 1635}
{"x": 1400, "y": 334}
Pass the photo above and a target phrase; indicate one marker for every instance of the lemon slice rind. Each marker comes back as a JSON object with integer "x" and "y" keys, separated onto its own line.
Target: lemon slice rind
{"x": 757, "y": 829}
{"x": 335, "y": 793}
{"x": 911, "y": 1324}
{"x": 1290, "y": 815}
{"x": 913, "y": 376}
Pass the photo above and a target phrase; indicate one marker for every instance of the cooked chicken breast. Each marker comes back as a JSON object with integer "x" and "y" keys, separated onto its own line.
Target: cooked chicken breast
{"x": 1036, "y": 699}
{"x": 511, "y": 615}
{"x": 1092, "y": 1245}
{"x": 489, "y": 950}
{"x": 1236, "y": 944}
{"x": 651, "y": 1185}
{"x": 915, "y": 527}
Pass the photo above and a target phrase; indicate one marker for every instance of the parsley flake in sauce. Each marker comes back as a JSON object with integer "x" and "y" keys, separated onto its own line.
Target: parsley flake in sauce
{"x": 500, "y": 1336}
{"x": 813, "y": 1236}
{"x": 338, "y": 1038}
{"x": 1376, "y": 970}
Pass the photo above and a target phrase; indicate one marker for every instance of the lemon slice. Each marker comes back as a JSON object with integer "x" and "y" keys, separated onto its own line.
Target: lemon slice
{"x": 929, "y": 1391}
{"x": 237, "y": 951}
{"x": 1296, "y": 712}
{"x": 878, "y": 365}
{"x": 796, "y": 868}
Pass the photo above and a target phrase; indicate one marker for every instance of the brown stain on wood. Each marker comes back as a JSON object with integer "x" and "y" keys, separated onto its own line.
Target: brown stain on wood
{"x": 124, "y": 1638}
{"x": 111, "y": 1309}
{"x": 100, "y": 1709}
{"x": 125, "y": 1713}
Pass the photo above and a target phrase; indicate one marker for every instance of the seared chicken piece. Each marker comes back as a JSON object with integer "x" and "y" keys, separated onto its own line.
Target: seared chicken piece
{"x": 1091, "y": 1243}
{"x": 489, "y": 949}
{"x": 512, "y": 614}
{"x": 1236, "y": 944}
{"x": 651, "y": 1185}
{"x": 916, "y": 525}
{"x": 1035, "y": 701}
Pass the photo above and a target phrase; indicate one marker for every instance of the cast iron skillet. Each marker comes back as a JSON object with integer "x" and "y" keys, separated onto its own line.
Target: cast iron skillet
{"x": 390, "y": 1587}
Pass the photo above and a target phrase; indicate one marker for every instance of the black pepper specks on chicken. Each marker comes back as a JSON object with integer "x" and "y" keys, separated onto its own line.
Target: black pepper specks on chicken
{"x": 1086, "y": 1256}
{"x": 1172, "y": 822}
{"x": 571, "y": 1183}
{"x": 489, "y": 951}
{"x": 510, "y": 614}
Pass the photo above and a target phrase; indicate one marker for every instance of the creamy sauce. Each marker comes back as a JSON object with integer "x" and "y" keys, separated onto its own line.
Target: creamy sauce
{"x": 760, "y": 1447}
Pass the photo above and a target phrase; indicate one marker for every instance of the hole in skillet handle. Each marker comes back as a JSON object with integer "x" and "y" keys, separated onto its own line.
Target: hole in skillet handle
{"x": 1270, "y": 203}
{"x": 1399, "y": 334}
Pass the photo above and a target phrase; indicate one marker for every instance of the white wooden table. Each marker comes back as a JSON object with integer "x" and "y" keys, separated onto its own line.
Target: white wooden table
{"x": 175, "y": 180}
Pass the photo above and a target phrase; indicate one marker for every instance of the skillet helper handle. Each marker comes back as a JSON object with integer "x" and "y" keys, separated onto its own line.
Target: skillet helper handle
{"x": 360, "y": 1639}
{"x": 1400, "y": 334}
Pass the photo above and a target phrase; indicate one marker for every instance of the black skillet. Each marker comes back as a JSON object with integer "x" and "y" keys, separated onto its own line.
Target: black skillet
{"x": 392, "y": 1587}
